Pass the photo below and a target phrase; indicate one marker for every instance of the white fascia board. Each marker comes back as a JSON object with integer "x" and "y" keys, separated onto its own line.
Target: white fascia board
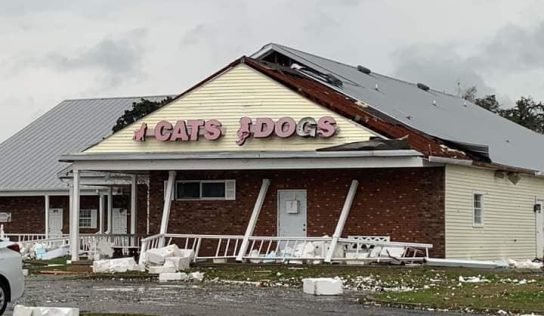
{"x": 43, "y": 193}
{"x": 239, "y": 155}
{"x": 100, "y": 182}
{"x": 254, "y": 164}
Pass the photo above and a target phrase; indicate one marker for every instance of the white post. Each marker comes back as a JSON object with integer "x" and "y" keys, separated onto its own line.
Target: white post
{"x": 167, "y": 205}
{"x": 342, "y": 220}
{"x": 74, "y": 212}
{"x": 253, "y": 219}
{"x": 101, "y": 212}
{"x": 133, "y": 201}
{"x": 110, "y": 209}
{"x": 148, "y": 206}
{"x": 46, "y": 216}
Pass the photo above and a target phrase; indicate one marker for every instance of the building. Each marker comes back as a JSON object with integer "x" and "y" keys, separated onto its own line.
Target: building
{"x": 34, "y": 192}
{"x": 284, "y": 146}
{"x": 290, "y": 144}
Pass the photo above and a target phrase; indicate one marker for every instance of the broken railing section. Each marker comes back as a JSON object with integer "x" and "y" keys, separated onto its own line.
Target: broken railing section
{"x": 36, "y": 246}
{"x": 314, "y": 250}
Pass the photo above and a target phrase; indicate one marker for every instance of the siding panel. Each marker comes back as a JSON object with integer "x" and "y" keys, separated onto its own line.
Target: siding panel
{"x": 509, "y": 220}
{"x": 238, "y": 92}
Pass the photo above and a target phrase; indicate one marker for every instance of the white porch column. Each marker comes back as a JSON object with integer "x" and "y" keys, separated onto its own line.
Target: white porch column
{"x": 342, "y": 219}
{"x": 167, "y": 204}
{"x": 253, "y": 219}
{"x": 101, "y": 214}
{"x": 133, "y": 205}
{"x": 74, "y": 218}
{"x": 46, "y": 216}
{"x": 110, "y": 209}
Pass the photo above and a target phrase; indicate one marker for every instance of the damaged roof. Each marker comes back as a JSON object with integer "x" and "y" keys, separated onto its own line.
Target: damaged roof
{"x": 455, "y": 121}
{"x": 29, "y": 160}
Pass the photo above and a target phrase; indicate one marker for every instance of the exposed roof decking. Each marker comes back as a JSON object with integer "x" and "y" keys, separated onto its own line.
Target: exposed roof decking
{"x": 451, "y": 118}
{"x": 29, "y": 160}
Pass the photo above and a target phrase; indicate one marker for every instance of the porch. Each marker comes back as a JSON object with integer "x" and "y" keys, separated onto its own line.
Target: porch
{"x": 238, "y": 228}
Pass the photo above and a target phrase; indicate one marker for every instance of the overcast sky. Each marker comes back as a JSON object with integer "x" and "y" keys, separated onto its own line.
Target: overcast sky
{"x": 59, "y": 49}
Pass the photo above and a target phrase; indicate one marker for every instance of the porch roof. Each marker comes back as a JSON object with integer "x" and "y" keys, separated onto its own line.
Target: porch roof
{"x": 246, "y": 160}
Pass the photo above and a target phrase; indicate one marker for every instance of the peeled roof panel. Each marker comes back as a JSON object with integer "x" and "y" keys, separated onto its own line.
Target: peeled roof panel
{"x": 452, "y": 118}
{"x": 29, "y": 159}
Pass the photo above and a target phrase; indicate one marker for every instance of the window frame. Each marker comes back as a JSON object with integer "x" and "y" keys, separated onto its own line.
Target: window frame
{"x": 93, "y": 213}
{"x": 482, "y": 209}
{"x": 201, "y": 198}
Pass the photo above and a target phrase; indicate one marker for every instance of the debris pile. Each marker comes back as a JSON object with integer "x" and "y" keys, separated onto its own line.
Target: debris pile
{"x": 44, "y": 251}
{"x": 473, "y": 279}
{"x": 525, "y": 264}
{"x": 373, "y": 283}
{"x": 168, "y": 261}
{"x": 116, "y": 265}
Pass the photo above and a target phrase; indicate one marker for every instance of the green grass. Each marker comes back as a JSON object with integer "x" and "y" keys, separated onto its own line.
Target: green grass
{"x": 39, "y": 265}
{"x": 501, "y": 291}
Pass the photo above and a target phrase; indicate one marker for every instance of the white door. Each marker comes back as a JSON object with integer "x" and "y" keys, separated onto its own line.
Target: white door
{"x": 292, "y": 213}
{"x": 539, "y": 219}
{"x": 55, "y": 222}
{"x": 119, "y": 221}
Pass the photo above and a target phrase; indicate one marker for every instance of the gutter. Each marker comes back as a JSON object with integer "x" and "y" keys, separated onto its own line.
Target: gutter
{"x": 238, "y": 155}
{"x": 485, "y": 165}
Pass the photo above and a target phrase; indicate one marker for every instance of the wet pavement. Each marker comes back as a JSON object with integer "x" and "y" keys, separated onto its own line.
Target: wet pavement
{"x": 153, "y": 298}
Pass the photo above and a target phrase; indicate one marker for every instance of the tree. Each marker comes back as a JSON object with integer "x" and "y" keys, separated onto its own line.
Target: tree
{"x": 470, "y": 94}
{"x": 489, "y": 102}
{"x": 527, "y": 113}
{"x": 139, "y": 110}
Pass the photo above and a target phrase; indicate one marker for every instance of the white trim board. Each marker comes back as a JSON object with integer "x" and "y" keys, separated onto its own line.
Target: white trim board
{"x": 256, "y": 164}
{"x": 43, "y": 193}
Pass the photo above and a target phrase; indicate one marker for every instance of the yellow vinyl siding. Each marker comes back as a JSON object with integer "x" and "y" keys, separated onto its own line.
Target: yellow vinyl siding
{"x": 239, "y": 92}
{"x": 508, "y": 229}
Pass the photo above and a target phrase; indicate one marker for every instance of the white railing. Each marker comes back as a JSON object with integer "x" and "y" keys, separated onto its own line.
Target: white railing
{"x": 88, "y": 242}
{"x": 268, "y": 249}
{"x": 31, "y": 237}
{"x": 204, "y": 246}
{"x": 123, "y": 241}
{"x": 49, "y": 243}
{"x": 365, "y": 250}
{"x": 285, "y": 249}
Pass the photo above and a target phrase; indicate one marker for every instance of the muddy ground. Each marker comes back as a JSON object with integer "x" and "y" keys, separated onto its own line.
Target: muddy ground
{"x": 207, "y": 298}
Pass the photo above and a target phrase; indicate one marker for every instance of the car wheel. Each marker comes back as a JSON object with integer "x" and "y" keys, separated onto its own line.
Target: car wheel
{"x": 3, "y": 298}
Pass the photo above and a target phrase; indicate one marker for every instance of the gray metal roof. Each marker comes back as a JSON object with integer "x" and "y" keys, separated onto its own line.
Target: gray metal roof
{"x": 29, "y": 160}
{"x": 435, "y": 113}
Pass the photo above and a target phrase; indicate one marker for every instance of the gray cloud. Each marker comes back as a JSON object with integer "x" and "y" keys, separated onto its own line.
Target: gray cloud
{"x": 117, "y": 59}
{"x": 439, "y": 67}
{"x": 512, "y": 49}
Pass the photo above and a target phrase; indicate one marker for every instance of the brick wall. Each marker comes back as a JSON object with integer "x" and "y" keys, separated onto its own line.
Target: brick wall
{"x": 28, "y": 215}
{"x": 406, "y": 203}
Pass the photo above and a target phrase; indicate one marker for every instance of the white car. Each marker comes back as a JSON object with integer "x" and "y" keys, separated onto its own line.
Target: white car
{"x": 11, "y": 274}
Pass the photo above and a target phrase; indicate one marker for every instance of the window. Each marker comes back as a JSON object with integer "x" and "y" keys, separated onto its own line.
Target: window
{"x": 478, "y": 211}
{"x": 206, "y": 190}
{"x": 87, "y": 218}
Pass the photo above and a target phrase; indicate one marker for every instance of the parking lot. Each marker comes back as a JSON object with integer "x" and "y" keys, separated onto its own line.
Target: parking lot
{"x": 208, "y": 298}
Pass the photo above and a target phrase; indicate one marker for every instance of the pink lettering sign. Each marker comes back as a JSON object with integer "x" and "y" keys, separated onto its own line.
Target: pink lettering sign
{"x": 262, "y": 127}
{"x": 182, "y": 131}
{"x": 285, "y": 127}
